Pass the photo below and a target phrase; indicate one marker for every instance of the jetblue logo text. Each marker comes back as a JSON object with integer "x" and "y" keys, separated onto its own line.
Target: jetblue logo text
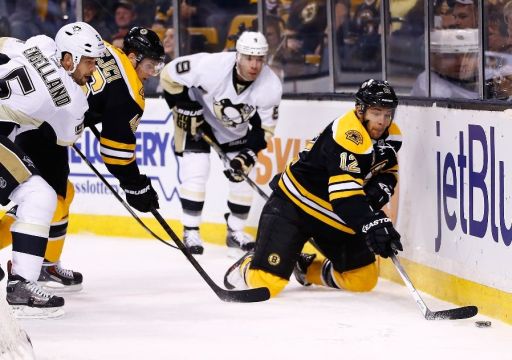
{"x": 471, "y": 188}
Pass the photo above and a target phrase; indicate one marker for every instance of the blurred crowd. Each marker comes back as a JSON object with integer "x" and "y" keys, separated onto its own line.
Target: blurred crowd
{"x": 297, "y": 32}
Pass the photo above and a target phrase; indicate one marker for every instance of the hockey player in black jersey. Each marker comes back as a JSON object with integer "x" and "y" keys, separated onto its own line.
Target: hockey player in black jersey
{"x": 332, "y": 192}
{"x": 116, "y": 100}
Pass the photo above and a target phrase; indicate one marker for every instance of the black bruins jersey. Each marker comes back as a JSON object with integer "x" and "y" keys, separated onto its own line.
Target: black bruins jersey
{"x": 116, "y": 99}
{"x": 326, "y": 180}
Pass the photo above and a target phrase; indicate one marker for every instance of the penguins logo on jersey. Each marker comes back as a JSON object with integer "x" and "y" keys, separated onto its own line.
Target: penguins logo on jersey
{"x": 232, "y": 115}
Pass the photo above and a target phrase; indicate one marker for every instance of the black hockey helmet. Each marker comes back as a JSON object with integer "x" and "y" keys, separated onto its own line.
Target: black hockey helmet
{"x": 376, "y": 93}
{"x": 145, "y": 43}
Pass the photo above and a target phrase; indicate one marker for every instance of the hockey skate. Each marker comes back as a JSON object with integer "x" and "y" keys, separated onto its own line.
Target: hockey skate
{"x": 235, "y": 275}
{"x": 57, "y": 279}
{"x": 193, "y": 241}
{"x": 237, "y": 241}
{"x": 301, "y": 267}
{"x": 29, "y": 301}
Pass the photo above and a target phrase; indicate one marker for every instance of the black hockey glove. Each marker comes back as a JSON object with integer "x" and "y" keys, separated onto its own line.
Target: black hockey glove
{"x": 141, "y": 195}
{"x": 385, "y": 157}
{"x": 378, "y": 193}
{"x": 241, "y": 164}
{"x": 381, "y": 236}
{"x": 188, "y": 117}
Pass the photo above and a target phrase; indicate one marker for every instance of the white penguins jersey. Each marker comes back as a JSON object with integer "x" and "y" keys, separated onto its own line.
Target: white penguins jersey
{"x": 35, "y": 88}
{"x": 209, "y": 78}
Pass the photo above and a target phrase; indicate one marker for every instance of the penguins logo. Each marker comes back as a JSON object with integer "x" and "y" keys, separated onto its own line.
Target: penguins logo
{"x": 232, "y": 115}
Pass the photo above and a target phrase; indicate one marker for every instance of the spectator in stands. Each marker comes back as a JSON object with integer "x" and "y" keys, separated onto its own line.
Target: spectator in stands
{"x": 24, "y": 21}
{"x": 124, "y": 18}
{"x": 223, "y": 11}
{"x": 93, "y": 16}
{"x": 443, "y": 15}
{"x": 465, "y": 14}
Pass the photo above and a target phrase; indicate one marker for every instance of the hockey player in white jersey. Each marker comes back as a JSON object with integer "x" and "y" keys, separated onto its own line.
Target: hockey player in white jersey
{"x": 39, "y": 88}
{"x": 234, "y": 98}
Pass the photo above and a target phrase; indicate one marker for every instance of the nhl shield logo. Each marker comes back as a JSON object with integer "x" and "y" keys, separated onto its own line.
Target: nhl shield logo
{"x": 354, "y": 136}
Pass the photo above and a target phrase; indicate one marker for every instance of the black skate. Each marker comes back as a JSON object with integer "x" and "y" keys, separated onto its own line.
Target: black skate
{"x": 193, "y": 241}
{"x": 301, "y": 267}
{"x": 29, "y": 301}
{"x": 57, "y": 279}
{"x": 237, "y": 239}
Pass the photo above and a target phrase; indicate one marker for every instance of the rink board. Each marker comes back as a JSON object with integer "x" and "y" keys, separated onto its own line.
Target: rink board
{"x": 452, "y": 208}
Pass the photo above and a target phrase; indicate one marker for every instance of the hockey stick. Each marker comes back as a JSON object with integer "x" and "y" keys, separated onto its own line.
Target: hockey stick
{"x": 118, "y": 197}
{"x": 226, "y": 161}
{"x": 464, "y": 312}
{"x": 249, "y": 295}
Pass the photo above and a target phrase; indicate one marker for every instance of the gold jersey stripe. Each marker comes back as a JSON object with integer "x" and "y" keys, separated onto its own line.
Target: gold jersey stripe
{"x": 306, "y": 193}
{"x": 314, "y": 213}
{"x": 309, "y": 209}
{"x": 112, "y": 161}
{"x": 116, "y": 144}
{"x": 345, "y": 194}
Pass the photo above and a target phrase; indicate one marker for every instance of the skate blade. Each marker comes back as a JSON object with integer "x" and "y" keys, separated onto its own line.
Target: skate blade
{"x": 58, "y": 288}
{"x": 29, "y": 312}
{"x": 235, "y": 253}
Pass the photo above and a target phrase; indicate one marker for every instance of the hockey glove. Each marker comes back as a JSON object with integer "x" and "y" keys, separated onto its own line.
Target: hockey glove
{"x": 188, "y": 116}
{"x": 385, "y": 157}
{"x": 381, "y": 237}
{"x": 241, "y": 164}
{"x": 141, "y": 195}
{"x": 378, "y": 193}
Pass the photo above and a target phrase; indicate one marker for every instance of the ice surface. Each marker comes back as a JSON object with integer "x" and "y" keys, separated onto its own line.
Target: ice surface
{"x": 143, "y": 300}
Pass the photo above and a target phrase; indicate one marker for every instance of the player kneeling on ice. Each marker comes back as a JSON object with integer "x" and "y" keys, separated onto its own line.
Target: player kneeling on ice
{"x": 333, "y": 193}
{"x": 234, "y": 98}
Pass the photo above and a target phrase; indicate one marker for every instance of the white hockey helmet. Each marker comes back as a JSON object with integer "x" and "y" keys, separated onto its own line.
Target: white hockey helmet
{"x": 252, "y": 43}
{"x": 79, "y": 39}
{"x": 454, "y": 41}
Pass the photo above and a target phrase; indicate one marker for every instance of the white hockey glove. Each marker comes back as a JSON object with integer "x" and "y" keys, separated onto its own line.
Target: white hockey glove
{"x": 188, "y": 116}
{"x": 241, "y": 164}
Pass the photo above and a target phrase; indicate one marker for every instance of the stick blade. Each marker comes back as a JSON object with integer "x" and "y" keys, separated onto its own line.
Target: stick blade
{"x": 244, "y": 296}
{"x": 464, "y": 312}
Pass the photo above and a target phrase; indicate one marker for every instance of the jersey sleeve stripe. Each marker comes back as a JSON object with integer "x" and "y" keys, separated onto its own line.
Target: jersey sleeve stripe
{"x": 345, "y": 194}
{"x": 310, "y": 206}
{"x": 345, "y": 186}
{"x": 303, "y": 192}
{"x": 113, "y": 161}
{"x": 344, "y": 178}
{"x": 116, "y": 145}
{"x": 115, "y": 153}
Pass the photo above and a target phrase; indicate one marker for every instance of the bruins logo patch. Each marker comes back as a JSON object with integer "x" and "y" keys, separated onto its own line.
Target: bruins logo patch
{"x": 274, "y": 259}
{"x": 354, "y": 136}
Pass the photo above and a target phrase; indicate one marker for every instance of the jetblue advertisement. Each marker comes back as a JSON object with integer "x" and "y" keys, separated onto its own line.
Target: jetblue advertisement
{"x": 455, "y": 212}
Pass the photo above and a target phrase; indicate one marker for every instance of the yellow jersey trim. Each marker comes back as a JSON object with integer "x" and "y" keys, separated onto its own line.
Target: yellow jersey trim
{"x": 349, "y": 133}
{"x": 130, "y": 76}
